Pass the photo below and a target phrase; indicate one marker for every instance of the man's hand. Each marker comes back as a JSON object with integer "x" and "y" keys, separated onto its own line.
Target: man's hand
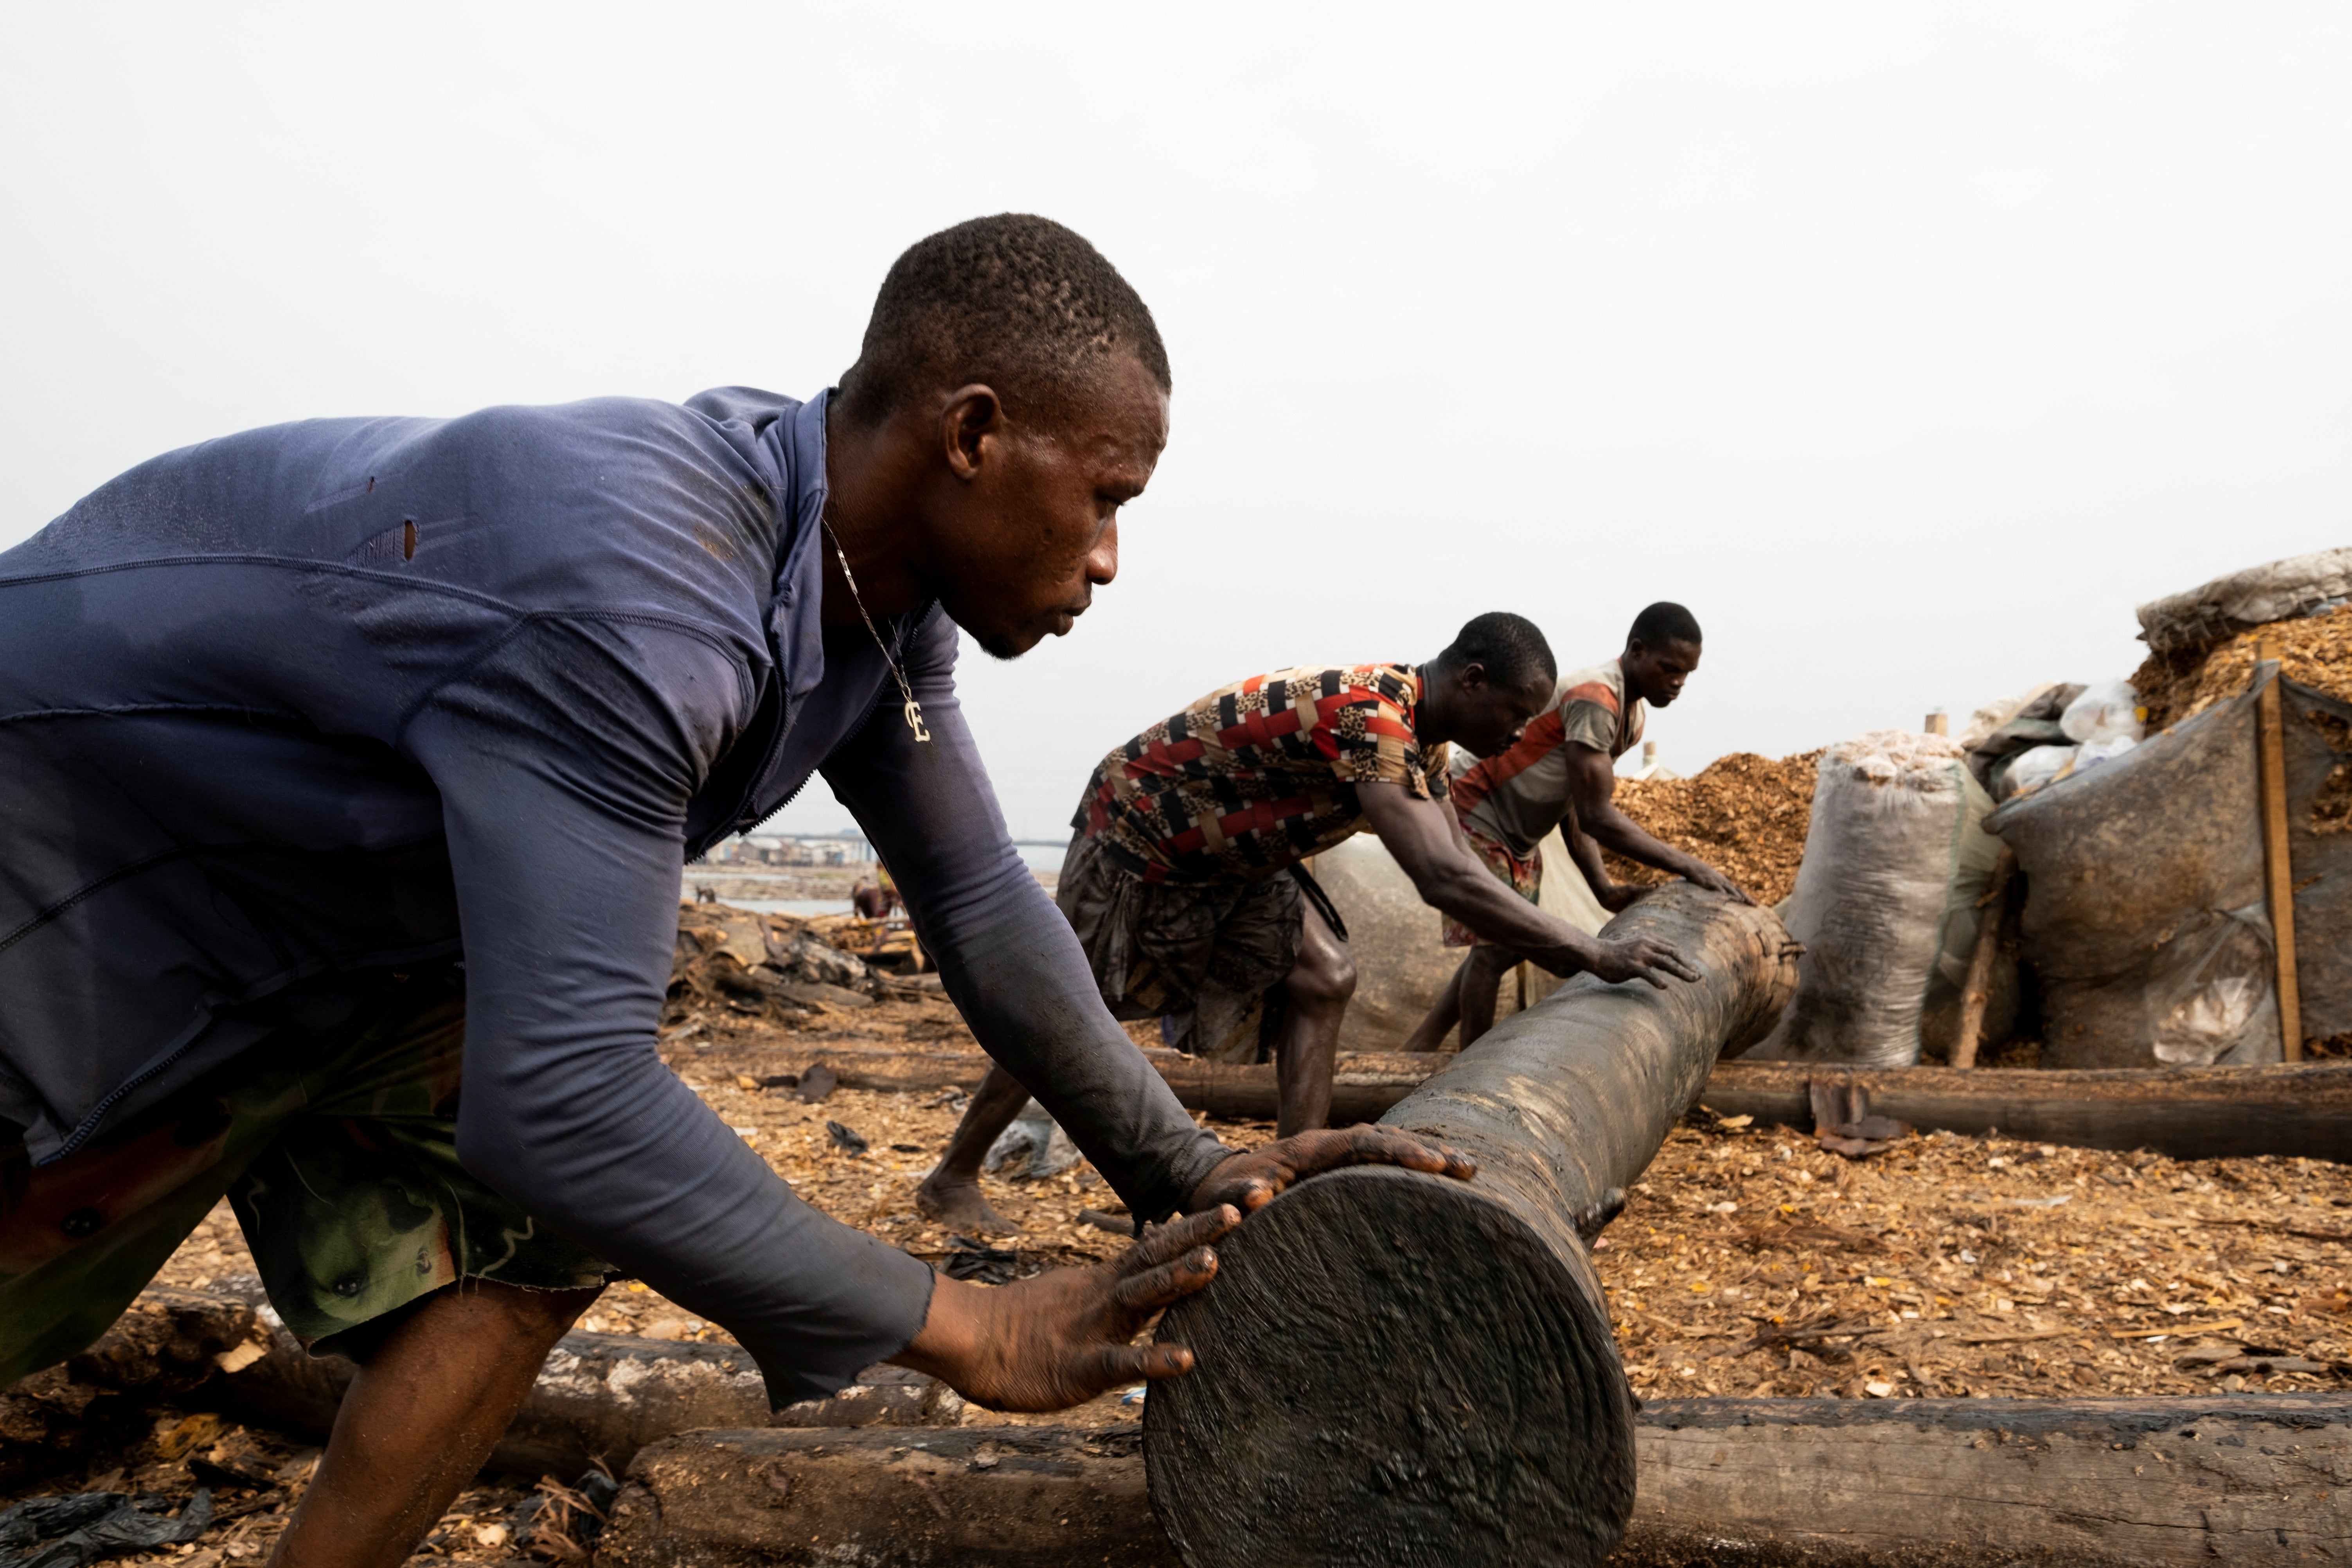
{"x": 1253, "y": 1180}
{"x": 1639, "y": 958}
{"x": 1060, "y": 1338}
{"x": 1714, "y": 882}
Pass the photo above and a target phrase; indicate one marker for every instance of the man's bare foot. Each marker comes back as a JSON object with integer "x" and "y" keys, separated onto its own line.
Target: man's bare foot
{"x": 959, "y": 1207}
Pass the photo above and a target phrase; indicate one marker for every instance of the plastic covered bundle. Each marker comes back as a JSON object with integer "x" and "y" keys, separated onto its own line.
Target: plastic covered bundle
{"x": 2105, "y": 711}
{"x": 2104, "y": 721}
{"x": 2276, "y": 591}
{"x": 1885, "y": 902}
{"x": 2034, "y": 767}
{"x": 2145, "y": 914}
{"x": 1033, "y": 1147}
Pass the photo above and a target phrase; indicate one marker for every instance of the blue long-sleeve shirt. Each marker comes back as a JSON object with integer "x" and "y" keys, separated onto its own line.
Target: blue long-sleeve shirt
{"x": 289, "y": 708}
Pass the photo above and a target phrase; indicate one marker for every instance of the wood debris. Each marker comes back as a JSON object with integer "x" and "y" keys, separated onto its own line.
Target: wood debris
{"x": 1752, "y": 1263}
{"x": 1744, "y": 815}
{"x": 2315, "y": 649}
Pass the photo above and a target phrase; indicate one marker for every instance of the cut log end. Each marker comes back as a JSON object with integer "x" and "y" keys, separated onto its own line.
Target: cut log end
{"x": 1435, "y": 1359}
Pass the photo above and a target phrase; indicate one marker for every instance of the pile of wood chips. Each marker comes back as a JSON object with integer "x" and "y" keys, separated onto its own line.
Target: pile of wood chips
{"x": 1744, "y": 815}
{"x": 1748, "y": 1260}
{"x": 1751, "y": 1262}
{"x": 2315, "y": 650}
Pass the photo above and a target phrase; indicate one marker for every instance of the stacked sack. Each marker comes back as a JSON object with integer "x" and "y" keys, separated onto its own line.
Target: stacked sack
{"x": 2054, "y": 732}
{"x": 1886, "y": 904}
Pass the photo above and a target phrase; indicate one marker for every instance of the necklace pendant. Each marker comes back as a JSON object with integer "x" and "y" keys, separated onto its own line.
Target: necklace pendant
{"x": 915, "y": 720}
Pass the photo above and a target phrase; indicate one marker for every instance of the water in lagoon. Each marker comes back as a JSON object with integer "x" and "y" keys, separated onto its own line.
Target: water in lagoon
{"x": 1042, "y": 856}
{"x": 791, "y": 906}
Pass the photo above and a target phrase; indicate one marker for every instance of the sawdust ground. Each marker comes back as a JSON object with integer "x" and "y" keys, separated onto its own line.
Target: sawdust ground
{"x": 1746, "y": 1262}
{"x": 1733, "y": 1234}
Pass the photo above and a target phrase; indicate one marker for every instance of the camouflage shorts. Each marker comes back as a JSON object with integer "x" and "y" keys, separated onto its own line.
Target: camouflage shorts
{"x": 1208, "y": 961}
{"x": 338, "y": 1150}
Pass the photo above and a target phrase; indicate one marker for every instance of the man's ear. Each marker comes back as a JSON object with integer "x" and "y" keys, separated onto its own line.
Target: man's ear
{"x": 972, "y": 417}
{"x": 1474, "y": 677}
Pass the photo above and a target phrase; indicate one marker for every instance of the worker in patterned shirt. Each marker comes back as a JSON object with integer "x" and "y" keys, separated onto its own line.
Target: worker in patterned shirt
{"x": 1184, "y": 883}
{"x": 1561, "y": 773}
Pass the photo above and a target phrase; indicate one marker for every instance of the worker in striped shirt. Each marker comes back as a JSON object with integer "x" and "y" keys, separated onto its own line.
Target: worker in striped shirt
{"x": 1561, "y": 773}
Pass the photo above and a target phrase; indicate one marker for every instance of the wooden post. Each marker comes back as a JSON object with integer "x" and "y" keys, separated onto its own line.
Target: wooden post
{"x": 1977, "y": 994}
{"x": 1939, "y": 723}
{"x": 2277, "y": 862}
{"x": 1399, "y": 1369}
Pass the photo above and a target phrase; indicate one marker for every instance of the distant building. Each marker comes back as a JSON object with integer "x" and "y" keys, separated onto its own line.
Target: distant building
{"x": 780, "y": 849}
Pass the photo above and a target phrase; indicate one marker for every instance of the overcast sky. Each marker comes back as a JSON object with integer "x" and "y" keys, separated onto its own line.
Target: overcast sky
{"x": 1910, "y": 346}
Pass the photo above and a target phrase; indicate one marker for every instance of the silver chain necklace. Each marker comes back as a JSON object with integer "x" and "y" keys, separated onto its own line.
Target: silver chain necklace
{"x": 914, "y": 710}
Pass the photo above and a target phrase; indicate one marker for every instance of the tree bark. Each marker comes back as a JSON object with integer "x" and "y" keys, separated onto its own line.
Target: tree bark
{"x": 1400, "y": 1369}
{"x": 1008, "y": 1497}
{"x": 2253, "y": 1480}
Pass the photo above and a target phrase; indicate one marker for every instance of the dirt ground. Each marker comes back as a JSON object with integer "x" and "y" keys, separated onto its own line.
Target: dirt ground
{"x": 1747, "y": 1262}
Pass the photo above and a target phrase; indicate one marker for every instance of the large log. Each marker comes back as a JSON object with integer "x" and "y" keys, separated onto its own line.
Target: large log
{"x": 600, "y": 1397}
{"x": 1009, "y": 1497}
{"x": 598, "y": 1400}
{"x": 2189, "y": 1113}
{"x": 2252, "y": 1478}
{"x": 166, "y": 1345}
{"x": 1400, "y": 1369}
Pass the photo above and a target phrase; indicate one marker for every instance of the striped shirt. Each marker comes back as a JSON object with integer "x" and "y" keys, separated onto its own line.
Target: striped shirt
{"x": 1518, "y": 795}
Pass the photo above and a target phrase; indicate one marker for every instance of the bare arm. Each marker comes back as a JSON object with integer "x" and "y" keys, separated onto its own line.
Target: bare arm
{"x": 1611, "y": 895}
{"x": 1592, "y": 795}
{"x": 1422, "y": 835}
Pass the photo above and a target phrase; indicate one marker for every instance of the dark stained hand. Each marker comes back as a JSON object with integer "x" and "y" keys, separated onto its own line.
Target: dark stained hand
{"x": 1640, "y": 958}
{"x": 1715, "y": 882}
{"x": 1062, "y": 1337}
{"x": 1253, "y": 1180}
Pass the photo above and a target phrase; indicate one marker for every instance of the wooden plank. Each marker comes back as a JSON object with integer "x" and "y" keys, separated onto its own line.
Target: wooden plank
{"x": 2278, "y": 872}
{"x": 2253, "y": 1479}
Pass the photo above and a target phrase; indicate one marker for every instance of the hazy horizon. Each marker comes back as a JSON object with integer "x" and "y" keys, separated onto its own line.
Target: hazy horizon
{"x": 1911, "y": 349}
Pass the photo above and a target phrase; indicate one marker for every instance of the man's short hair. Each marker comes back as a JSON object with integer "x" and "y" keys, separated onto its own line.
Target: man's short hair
{"x": 1511, "y": 648}
{"x": 1663, "y": 622}
{"x": 1017, "y": 302}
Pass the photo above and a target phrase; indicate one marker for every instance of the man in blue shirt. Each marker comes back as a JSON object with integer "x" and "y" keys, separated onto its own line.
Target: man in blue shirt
{"x": 346, "y": 771}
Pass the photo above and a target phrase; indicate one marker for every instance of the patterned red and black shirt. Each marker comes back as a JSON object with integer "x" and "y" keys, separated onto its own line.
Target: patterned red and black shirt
{"x": 1259, "y": 773}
